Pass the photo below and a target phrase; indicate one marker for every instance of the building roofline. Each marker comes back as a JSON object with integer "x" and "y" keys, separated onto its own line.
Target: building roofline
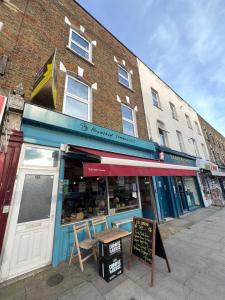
{"x": 87, "y": 12}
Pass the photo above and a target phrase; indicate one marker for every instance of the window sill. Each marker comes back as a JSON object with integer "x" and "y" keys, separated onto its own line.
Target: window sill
{"x": 80, "y": 56}
{"x": 176, "y": 119}
{"x": 158, "y": 107}
{"x": 126, "y": 87}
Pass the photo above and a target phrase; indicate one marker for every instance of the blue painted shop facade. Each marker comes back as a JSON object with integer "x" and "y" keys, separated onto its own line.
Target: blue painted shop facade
{"x": 177, "y": 195}
{"x": 72, "y": 170}
{"x": 47, "y": 128}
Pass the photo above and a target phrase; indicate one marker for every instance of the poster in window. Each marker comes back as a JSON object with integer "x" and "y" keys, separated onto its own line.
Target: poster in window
{"x": 134, "y": 187}
{"x": 94, "y": 187}
{"x": 127, "y": 187}
{"x": 120, "y": 180}
{"x": 82, "y": 187}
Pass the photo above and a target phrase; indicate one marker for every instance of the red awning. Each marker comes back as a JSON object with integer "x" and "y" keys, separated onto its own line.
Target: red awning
{"x": 114, "y": 164}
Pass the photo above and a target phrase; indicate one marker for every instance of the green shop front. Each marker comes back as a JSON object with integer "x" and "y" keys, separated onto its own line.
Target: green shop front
{"x": 177, "y": 195}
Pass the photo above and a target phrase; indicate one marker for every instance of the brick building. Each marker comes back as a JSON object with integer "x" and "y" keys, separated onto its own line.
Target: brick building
{"x": 213, "y": 174}
{"x": 215, "y": 142}
{"x": 98, "y": 116}
{"x": 33, "y": 29}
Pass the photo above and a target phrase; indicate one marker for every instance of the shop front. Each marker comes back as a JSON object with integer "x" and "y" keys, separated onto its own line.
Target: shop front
{"x": 71, "y": 170}
{"x": 179, "y": 194}
{"x": 211, "y": 180}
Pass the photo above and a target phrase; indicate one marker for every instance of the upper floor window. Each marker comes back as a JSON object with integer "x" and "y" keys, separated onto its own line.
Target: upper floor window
{"x": 155, "y": 98}
{"x": 173, "y": 111}
{"x": 124, "y": 77}
{"x": 77, "y": 99}
{"x": 128, "y": 119}
{"x": 80, "y": 45}
{"x": 195, "y": 147}
{"x": 180, "y": 141}
{"x": 163, "y": 140}
{"x": 204, "y": 151}
{"x": 206, "y": 134}
{"x": 198, "y": 128}
{"x": 188, "y": 121}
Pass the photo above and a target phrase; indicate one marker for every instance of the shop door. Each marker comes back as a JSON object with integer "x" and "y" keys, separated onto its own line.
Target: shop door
{"x": 181, "y": 192}
{"x": 30, "y": 237}
{"x": 164, "y": 197}
{"x": 147, "y": 197}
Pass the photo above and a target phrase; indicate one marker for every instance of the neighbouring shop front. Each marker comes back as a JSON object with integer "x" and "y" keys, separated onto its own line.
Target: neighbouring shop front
{"x": 212, "y": 182}
{"x": 71, "y": 170}
{"x": 179, "y": 194}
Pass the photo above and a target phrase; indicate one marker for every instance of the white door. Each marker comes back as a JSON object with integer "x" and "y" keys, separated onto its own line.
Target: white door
{"x": 30, "y": 234}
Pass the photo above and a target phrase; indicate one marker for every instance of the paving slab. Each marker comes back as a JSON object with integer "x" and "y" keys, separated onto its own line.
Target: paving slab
{"x": 195, "y": 247}
{"x": 128, "y": 290}
{"x": 165, "y": 288}
{"x": 84, "y": 291}
{"x": 207, "y": 285}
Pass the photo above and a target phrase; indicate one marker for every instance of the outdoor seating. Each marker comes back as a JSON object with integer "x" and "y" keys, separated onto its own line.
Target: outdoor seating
{"x": 85, "y": 244}
{"x": 99, "y": 222}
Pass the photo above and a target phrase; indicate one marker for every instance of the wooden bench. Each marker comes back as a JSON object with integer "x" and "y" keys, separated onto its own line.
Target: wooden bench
{"x": 118, "y": 223}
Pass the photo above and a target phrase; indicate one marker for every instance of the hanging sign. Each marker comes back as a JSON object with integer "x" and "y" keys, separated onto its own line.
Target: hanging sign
{"x": 2, "y": 107}
{"x": 146, "y": 243}
{"x": 44, "y": 88}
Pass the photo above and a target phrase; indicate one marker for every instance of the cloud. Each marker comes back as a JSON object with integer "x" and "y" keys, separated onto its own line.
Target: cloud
{"x": 144, "y": 8}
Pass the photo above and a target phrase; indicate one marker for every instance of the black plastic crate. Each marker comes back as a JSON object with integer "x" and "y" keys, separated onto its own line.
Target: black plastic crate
{"x": 110, "y": 249}
{"x": 110, "y": 268}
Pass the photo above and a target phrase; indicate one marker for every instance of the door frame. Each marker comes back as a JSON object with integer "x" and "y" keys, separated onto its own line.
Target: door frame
{"x": 14, "y": 210}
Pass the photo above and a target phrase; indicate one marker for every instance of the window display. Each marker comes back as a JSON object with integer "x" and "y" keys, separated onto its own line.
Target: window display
{"x": 191, "y": 192}
{"x": 82, "y": 197}
{"x": 123, "y": 193}
{"x": 88, "y": 197}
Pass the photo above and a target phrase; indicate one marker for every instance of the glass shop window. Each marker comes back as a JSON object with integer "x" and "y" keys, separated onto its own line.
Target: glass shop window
{"x": 123, "y": 193}
{"x": 191, "y": 192}
{"x": 83, "y": 197}
{"x": 40, "y": 157}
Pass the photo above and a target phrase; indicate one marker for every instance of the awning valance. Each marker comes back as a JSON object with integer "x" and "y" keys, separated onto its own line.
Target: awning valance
{"x": 114, "y": 164}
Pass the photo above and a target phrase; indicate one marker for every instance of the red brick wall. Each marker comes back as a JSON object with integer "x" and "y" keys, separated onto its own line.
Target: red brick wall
{"x": 42, "y": 28}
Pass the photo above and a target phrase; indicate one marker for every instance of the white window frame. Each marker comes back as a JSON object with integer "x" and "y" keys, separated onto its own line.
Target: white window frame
{"x": 129, "y": 77}
{"x": 173, "y": 111}
{"x": 88, "y": 102}
{"x": 161, "y": 125}
{"x": 204, "y": 151}
{"x": 198, "y": 128}
{"x": 89, "y": 51}
{"x": 35, "y": 167}
{"x": 157, "y": 97}
{"x": 188, "y": 121}
{"x": 180, "y": 141}
{"x": 195, "y": 147}
{"x": 134, "y": 122}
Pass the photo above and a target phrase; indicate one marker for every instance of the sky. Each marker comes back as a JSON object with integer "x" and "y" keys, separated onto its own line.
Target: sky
{"x": 182, "y": 41}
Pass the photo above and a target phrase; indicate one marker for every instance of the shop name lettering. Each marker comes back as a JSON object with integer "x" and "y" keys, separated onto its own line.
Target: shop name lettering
{"x": 178, "y": 158}
{"x": 95, "y": 130}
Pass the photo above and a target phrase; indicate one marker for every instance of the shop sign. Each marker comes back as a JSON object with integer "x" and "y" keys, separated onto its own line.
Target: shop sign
{"x": 203, "y": 164}
{"x": 214, "y": 168}
{"x": 179, "y": 160}
{"x": 44, "y": 86}
{"x": 103, "y": 132}
{"x": 2, "y": 107}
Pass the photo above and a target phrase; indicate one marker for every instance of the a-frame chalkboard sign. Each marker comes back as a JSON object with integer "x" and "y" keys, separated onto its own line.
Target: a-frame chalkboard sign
{"x": 146, "y": 242}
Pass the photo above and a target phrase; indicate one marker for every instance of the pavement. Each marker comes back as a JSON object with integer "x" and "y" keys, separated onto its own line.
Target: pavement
{"x": 195, "y": 246}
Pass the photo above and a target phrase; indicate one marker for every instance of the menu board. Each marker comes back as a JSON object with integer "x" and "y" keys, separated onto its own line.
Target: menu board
{"x": 146, "y": 243}
{"x": 142, "y": 246}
